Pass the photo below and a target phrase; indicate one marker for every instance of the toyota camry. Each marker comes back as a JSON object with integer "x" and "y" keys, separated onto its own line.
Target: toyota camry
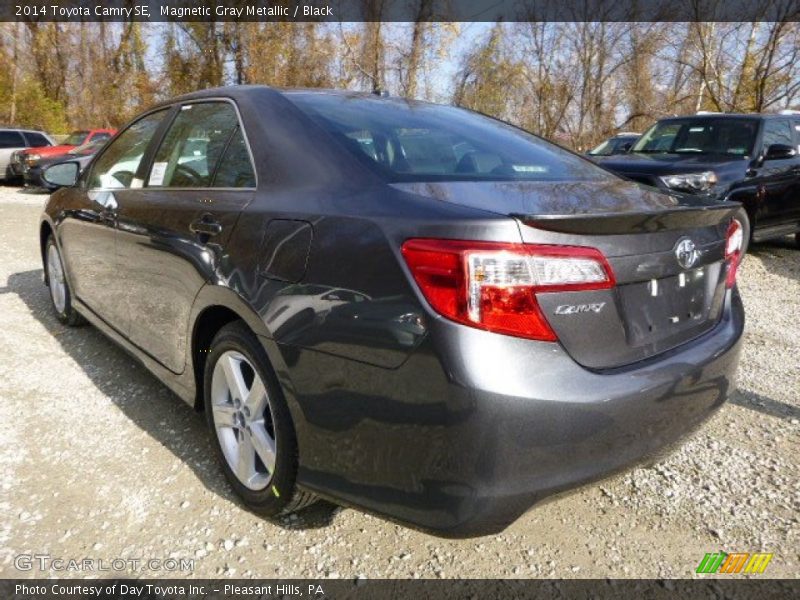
{"x": 408, "y": 308}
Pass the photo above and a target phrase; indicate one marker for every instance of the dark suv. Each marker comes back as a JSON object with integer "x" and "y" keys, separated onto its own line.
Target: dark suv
{"x": 752, "y": 159}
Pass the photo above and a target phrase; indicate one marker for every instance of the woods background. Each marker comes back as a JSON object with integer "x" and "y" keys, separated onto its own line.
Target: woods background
{"x": 576, "y": 83}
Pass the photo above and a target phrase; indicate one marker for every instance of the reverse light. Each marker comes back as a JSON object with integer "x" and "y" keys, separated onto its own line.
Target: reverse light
{"x": 691, "y": 182}
{"x": 493, "y": 286}
{"x": 734, "y": 239}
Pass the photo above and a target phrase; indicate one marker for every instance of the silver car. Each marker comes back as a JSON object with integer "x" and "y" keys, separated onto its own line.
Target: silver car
{"x": 12, "y": 140}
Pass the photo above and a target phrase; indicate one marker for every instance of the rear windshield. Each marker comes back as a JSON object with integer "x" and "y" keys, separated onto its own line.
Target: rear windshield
{"x": 409, "y": 141}
{"x": 705, "y": 135}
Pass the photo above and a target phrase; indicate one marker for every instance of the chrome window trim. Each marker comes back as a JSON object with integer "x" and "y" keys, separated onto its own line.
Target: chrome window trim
{"x": 246, "y": 143}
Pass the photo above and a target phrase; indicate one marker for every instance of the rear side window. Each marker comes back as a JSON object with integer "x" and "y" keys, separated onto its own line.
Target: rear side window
{"x": 410, "y": 141}
{"x": 11, "y": 139}
{"x": 235, "y": 169}
{"x": 36, "y": 140}
{"x": 777, "y": 132}
{"x": 117, "y": 166}
{"x": 193, "y": 146}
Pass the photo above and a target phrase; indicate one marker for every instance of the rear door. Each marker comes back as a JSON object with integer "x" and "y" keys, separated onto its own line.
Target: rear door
{"x": 173, "y": 233}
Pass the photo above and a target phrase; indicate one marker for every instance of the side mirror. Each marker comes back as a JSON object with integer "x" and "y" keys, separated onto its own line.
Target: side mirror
{"x": 779, "y": 152}
{"x": 62, "y": 174}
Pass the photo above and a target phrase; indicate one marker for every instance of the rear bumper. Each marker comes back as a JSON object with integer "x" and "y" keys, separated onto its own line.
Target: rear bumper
{"x": 475, "y": 428}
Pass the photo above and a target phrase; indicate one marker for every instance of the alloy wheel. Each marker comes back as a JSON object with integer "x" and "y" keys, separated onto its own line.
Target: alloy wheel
{"x": 55, "y": 275}
{"x": 243, "y": 420}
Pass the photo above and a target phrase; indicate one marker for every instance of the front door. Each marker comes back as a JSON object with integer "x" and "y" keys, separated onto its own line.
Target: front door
{"x": 89, "y": 234}
{"x": 777, "y": 179}
{"x": 173, "y": 233}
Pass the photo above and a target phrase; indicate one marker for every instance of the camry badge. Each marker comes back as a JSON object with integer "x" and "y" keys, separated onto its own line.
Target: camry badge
{"x": 574, "y": 309}
{"x": 686, "y": 253}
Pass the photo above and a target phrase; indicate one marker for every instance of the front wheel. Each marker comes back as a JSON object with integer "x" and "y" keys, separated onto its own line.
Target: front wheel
{"x": 60, "y": 294}
{"x": 253, "y": 433}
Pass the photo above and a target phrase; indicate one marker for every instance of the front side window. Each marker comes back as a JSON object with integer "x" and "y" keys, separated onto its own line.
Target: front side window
{"x": 411, "y": 141}
{"x": 700, "y": 136}
{"x": 117, "y": 166}
{"x": 777, "y": 132}
{"x": 11, "y": 139}
{"x": 191, "y": 150}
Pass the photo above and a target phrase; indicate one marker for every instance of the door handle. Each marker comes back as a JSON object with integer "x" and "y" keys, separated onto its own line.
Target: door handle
{"x": 206, "y": 225}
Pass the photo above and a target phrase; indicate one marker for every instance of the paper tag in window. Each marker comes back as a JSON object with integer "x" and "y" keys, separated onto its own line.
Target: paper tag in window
{"x": 157, "y": 173}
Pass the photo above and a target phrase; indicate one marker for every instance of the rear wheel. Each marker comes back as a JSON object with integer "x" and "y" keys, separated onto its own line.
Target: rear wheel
{"x": 60, "y": 294}
{"x": 253, "y": 433}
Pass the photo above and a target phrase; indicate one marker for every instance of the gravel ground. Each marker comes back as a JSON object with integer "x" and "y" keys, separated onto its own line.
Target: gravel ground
{"x": 99, "y": 460}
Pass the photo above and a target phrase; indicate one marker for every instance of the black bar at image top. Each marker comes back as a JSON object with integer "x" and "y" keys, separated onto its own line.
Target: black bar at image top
{"x": 335, "y": 11}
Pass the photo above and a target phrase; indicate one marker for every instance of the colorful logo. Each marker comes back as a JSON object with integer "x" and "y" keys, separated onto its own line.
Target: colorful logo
{"x": 735, "y": 562}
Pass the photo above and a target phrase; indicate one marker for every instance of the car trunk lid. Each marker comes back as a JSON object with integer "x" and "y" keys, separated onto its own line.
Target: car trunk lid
{"x": 667, "y": 253}
{"x": 670, "y": 275}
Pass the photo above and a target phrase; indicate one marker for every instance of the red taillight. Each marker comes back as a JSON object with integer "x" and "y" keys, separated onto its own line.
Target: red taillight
{"x": 734, "y": 239}
{"x": 493, "y": 286}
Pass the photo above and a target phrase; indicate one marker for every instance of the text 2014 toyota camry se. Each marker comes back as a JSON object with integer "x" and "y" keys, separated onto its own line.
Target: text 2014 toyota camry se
{"x": 409, "y": 308}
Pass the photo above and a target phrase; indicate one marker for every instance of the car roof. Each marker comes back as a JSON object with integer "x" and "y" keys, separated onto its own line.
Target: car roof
{"x": 713, "y": 115}
{"x": 22, "y": 129}
{"x": 236, "y": 92}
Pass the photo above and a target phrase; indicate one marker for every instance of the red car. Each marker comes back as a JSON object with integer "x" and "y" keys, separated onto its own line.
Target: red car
{"x": 32, "y": 156}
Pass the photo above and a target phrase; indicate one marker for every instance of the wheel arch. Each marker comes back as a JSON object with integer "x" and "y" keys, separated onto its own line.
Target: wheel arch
{"x": 45, "y": 231}
{"x": 215, "y": 307}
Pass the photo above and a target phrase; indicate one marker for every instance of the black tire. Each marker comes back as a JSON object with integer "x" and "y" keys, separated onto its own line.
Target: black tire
{"x": 66, "y": 313}
{"x": 797, "y": 240}
{"x": 281, "y": 495}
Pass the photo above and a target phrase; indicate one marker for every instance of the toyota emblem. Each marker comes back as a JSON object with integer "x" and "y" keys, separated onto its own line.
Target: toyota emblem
{"x": 686, "y": 253}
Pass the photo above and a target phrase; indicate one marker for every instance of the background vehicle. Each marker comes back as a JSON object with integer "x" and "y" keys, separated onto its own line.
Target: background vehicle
{"x": 533, "y": 321}
{"x": 618, "y": 144}
{"x": 31, "y": 156}
{"x": 82, "y": 155}
{"x": 752, "y": 159}
{"x": 13, "y": 140}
